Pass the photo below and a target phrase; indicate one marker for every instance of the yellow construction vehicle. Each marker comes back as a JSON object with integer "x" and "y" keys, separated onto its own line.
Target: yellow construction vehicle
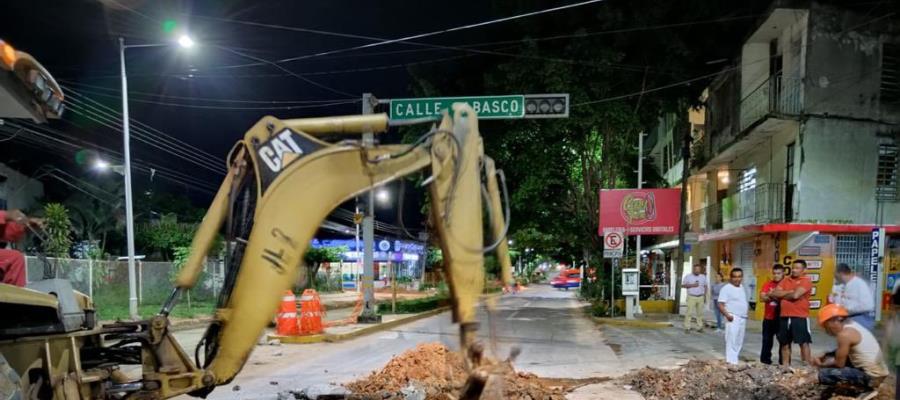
{"x": 283, "y": 179}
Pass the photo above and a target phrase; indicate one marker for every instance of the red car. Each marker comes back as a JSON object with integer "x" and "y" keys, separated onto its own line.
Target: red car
{"x": 569, "y": 278}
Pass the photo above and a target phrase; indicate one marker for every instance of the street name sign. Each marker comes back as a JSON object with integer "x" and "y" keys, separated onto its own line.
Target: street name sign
{"x": 487, "y": 107}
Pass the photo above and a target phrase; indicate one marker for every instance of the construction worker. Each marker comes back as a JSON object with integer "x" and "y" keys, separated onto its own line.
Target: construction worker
{"x": 732, "y": 302}
{"x": 854, "y": 294}
{"x": 12, "y": 262}
{"x": 857, "y": 361}
{"x": 793, "y": 323}
{"x": 771, "y": 316}
{"x": 696, "y": 285}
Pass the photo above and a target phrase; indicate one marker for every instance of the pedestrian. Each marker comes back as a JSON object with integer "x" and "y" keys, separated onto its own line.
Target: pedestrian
{"x": 793, "y": 323}
{"x": 696, "y": 285}
{"x": 856, "y": 297}
{"x": 732, "y": 302}
{"x": 716, "y": 288}
{"x": 12, "y": 262}
{"x": 771, "y": 316}
{"x": 857, "y": 361}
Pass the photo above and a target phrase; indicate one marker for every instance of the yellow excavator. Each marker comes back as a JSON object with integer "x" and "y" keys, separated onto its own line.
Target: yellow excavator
{"x": 283, "y": 179}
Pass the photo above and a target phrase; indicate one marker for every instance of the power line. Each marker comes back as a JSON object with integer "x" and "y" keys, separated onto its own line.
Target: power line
{"x": 152, "y": 169}
{"x": 423, "y": 35}
{"x": 115, "y": 124}
{"x": 193, "y": 98}
{"x": 229, "y": 108}
{"x": 142, "y": 128}
{"x": 292, "y": 73}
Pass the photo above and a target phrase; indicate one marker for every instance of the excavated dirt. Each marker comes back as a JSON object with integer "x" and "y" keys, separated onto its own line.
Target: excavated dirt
{"x": 441, "y": 374}
{"x": 708, "y": 380}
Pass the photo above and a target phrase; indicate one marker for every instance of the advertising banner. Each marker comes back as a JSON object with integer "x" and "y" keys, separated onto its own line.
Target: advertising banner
{"x": 640, "y": 211}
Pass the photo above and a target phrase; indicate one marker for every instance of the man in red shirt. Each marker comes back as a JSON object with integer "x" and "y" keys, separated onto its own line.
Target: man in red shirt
{"x": 771, "y": 318}
{"x": 12, "y": 262}
{"x": 793, "y": 327}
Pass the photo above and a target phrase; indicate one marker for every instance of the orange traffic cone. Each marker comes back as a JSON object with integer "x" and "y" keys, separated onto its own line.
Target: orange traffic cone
{"x": 311, "y": 312}
{"x": 286, "y": 324}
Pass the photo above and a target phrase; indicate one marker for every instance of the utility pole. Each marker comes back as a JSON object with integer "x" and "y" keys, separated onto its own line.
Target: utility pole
{"x": 682, "y": 225}
{"x": 632, "y": 303}
{"x": 369, "y": 314}
{"x": 129, "y": 210}
{"x": 357, "y": 267}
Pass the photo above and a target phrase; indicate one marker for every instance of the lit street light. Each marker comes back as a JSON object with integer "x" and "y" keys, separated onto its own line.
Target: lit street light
{"x": 184, "y": 41}
{"x": 101, "y": 165}
{"x": 383, "y": 196}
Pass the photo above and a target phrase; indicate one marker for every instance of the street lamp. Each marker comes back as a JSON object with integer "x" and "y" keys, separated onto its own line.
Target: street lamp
{"x": 185, "y": 42}
{"x": 383, "y": 196}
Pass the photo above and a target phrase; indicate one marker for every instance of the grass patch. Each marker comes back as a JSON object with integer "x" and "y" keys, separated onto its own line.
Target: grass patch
{"x": 112, "y": 304}
{"x": 412, "y": 306}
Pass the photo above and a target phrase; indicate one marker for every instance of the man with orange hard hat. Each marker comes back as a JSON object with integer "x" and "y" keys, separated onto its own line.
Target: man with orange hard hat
{"x": 857, "y": 361}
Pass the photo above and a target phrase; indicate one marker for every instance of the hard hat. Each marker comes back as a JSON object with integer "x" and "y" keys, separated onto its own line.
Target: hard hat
{"x": 830, "y": 311}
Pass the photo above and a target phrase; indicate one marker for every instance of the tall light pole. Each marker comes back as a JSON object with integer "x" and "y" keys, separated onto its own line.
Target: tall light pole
{"x": 185, "y": 42}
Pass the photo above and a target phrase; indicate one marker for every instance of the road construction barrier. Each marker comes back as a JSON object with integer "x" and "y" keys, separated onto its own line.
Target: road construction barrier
{"x": 311, "y": 313}
{"x": 286, "y": 322}
{"x": 357, "y": 309}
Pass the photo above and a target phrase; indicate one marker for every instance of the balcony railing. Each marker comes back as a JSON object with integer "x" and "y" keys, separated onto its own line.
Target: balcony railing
{"x": 705, "y": 219}
{"x": 778, "y": 96}
{"x": 761, "y": 204}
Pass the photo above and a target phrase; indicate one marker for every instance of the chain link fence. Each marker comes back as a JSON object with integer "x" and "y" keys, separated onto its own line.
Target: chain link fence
{"x": 107, "y": 283}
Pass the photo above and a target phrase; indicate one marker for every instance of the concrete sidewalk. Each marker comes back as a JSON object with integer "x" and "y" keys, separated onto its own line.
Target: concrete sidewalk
{"x": 349, "y": 331}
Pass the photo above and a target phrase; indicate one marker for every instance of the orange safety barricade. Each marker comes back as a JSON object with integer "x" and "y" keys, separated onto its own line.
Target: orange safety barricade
{"x": 311, "y": 313}
{"x": 286, "y": 323}
{"x": 357, "y": 309}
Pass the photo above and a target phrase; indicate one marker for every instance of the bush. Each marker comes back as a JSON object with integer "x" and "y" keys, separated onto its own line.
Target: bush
{"x": 415, "y": 305}
{"x": 601, "y": 309}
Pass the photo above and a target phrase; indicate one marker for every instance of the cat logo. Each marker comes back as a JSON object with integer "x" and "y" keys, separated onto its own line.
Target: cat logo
{"x": 271, "y": 153}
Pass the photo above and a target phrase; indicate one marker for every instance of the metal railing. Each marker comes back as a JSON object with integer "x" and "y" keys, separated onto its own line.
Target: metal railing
{"x": 705, "y": 219}
{"x": 777, "y": 96}
{"x": 761, "y": 204}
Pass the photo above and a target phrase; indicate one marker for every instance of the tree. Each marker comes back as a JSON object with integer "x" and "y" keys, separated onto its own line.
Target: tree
{"x": 313, "y": 260}
{"x": 93, "y": 220}
{"x": 58, "y": 228}
{"x": 164, "y": 236}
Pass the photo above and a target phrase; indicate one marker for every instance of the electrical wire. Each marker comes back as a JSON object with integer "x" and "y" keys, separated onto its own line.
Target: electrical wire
{"x": 158, "y": 134}
{"x": 132, "y": 93}
{"x": 227, "y": 108}
{"x": 116, "y": 126}
{"x": 292, "y": 73}
{"x": 424, "y": 35}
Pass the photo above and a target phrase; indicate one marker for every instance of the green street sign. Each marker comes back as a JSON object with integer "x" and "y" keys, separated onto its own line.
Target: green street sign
{"x": 487, "y": 107}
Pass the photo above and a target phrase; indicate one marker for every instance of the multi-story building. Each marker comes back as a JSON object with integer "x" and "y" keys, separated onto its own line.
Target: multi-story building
{"x": 798, "y": 157}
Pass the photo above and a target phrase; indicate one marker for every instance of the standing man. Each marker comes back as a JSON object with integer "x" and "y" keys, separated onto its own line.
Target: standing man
{"x": 793, "y": 324}
{"x": 857, "y": 361}
{"x": 771, "y": 317}
{"x": 732, "y": 302}
{"x": 696, "y": 285}
{"x": 856, "y": 297}
{"x": 12, "y": 262}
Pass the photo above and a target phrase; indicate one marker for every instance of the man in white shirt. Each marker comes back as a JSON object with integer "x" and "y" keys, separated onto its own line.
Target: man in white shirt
{"x": 732, "y": 302}
{"x": 855, "y": 295}
{"x": 696, "y": 285}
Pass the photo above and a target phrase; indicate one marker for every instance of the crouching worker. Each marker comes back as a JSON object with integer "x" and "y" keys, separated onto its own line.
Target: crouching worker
{"x": 857, "y": 362}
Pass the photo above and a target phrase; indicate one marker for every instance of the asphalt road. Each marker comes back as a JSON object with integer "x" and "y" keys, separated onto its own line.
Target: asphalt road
{"x": 555, "y": 337}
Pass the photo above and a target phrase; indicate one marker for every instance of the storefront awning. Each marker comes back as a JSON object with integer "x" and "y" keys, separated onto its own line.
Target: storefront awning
{"x": 750, "y": 230}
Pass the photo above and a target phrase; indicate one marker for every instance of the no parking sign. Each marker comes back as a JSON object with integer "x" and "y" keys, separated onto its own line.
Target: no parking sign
{"x": 613, "y": 242}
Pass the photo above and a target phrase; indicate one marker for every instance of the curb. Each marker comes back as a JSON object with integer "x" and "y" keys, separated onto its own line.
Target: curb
{"x": 338, "y": 337}
{"x": 631, "y": 323}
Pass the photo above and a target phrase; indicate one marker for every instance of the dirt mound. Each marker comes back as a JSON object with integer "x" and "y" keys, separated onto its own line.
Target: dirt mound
{"x": 441, "y": 374}
{"x": 708, "y": 380}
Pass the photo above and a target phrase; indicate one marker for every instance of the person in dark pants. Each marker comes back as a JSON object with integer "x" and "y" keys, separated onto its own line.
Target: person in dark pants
{"x": 770, "y": 319}
{"x": 857, "y": 361}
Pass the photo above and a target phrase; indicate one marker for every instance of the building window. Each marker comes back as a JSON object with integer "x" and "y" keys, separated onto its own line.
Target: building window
{"x": 890, "y": 74}
{"x": 747, "y": 180}
{"x": 887, "y": 182}
{"x": 855, "y": 251}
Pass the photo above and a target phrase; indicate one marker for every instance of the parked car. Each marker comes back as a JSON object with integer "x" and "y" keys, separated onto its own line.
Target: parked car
{"x": 570, "y": 278}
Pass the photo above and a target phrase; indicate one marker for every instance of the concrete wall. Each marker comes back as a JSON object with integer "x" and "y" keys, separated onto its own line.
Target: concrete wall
{"x": 769, "y": 158}
{"x": 18, "y": 190}
{"x": 843, "y": 65}
{"x": 836, "y": 179}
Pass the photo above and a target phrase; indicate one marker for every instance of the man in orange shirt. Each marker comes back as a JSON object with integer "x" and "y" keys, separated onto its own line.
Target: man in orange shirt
{"x": 793, "y": 327}
{"x": 12, "y": 262}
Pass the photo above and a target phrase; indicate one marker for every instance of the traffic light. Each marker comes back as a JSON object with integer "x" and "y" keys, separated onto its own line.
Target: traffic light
{"x": 547, "y": 105}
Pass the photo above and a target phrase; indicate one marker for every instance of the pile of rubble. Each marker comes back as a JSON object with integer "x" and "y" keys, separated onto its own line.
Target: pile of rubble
{"x": 432, "y": 371}
{"x": 702, "y": 380}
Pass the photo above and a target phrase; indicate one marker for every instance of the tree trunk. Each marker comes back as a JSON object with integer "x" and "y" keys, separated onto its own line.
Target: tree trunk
{"x": 682, "y": 226}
